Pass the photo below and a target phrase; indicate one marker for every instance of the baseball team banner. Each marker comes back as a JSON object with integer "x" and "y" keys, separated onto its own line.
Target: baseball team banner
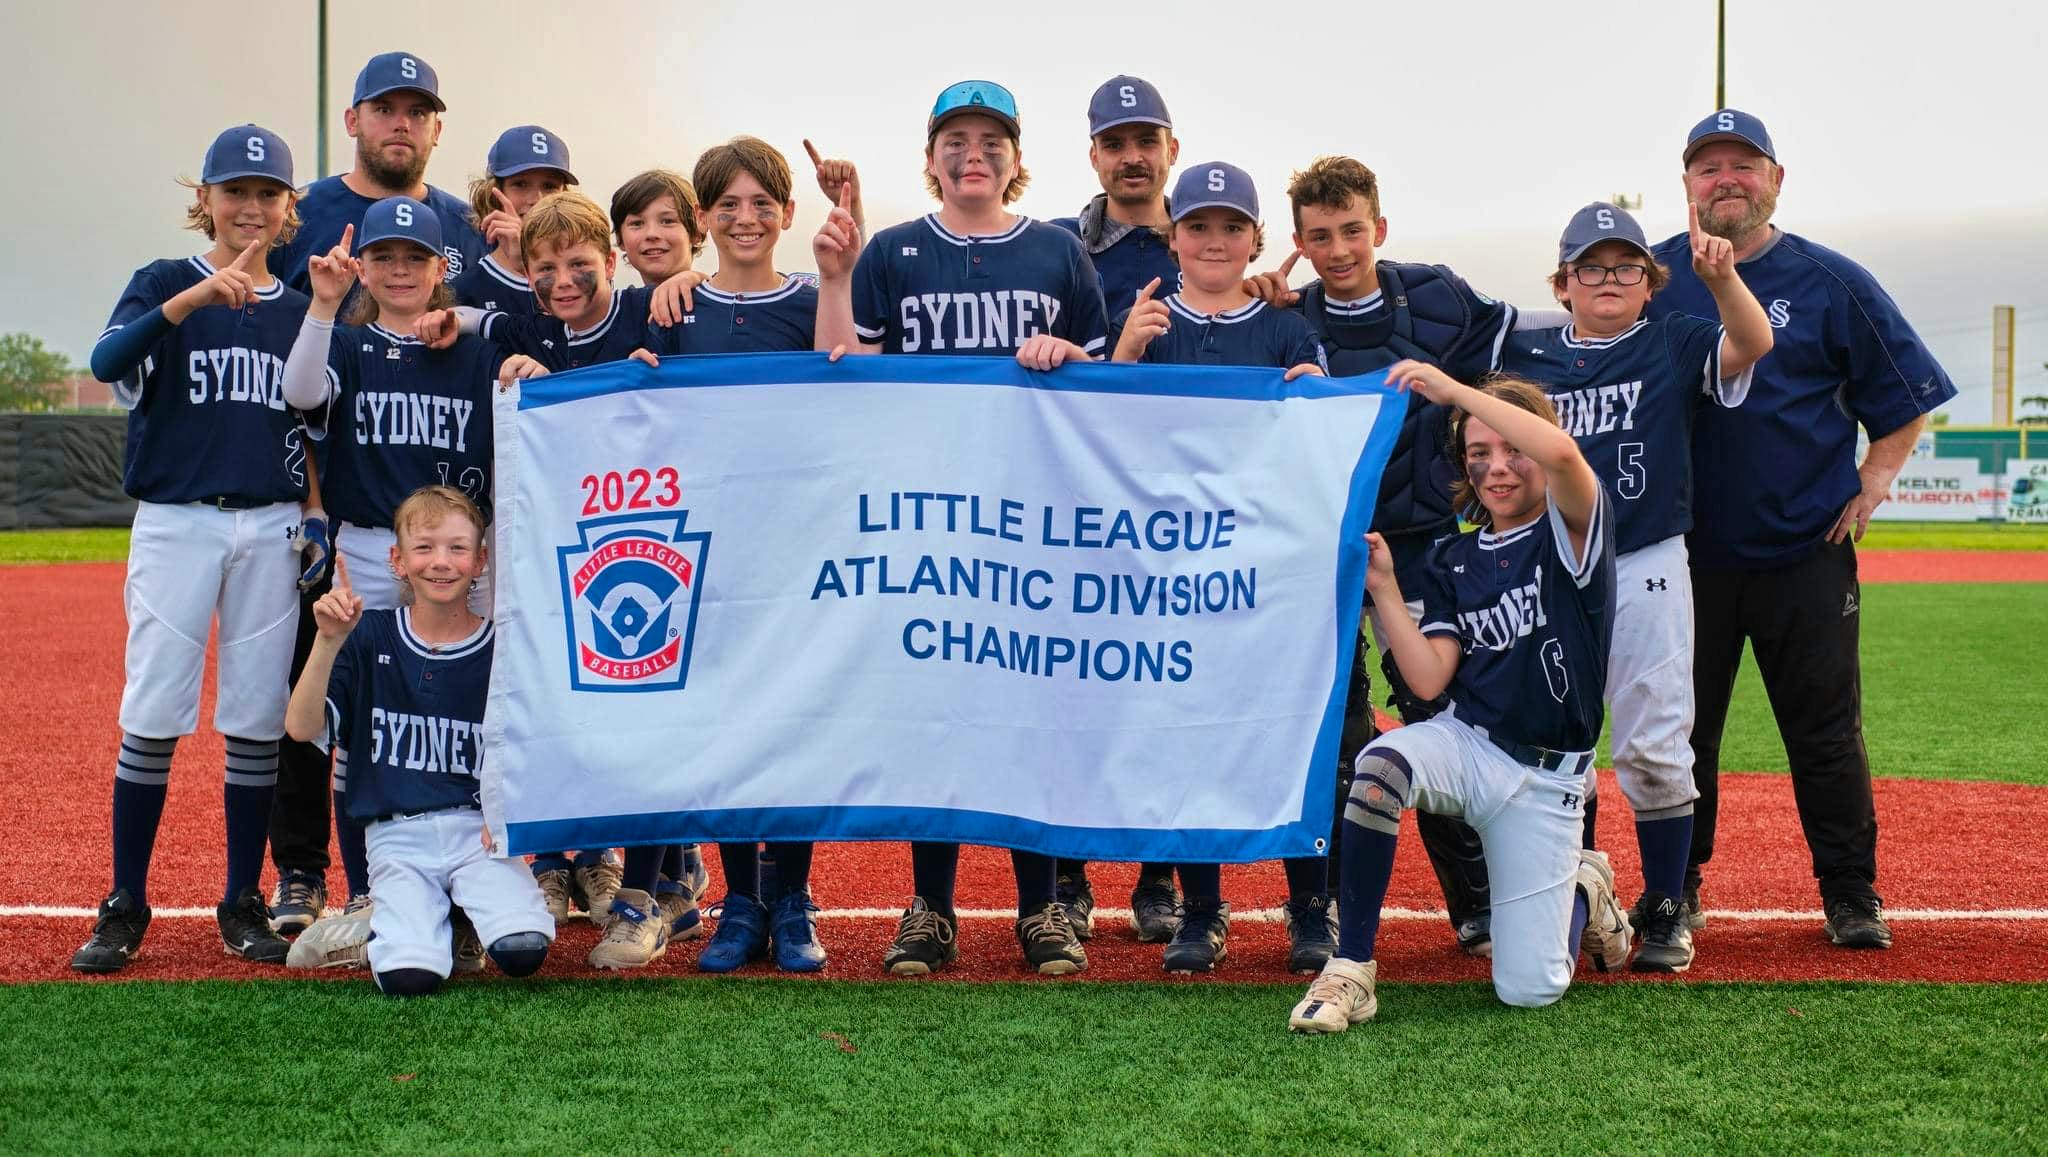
{"x": 1104, "y": 612}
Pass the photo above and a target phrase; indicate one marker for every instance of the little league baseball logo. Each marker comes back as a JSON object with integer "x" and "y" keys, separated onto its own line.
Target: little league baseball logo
{"x": 629, "y": 593}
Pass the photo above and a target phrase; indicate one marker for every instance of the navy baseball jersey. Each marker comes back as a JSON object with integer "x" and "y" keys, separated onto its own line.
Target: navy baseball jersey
{"x": 1250, "y": 335}
{"x": 404, "y": 416}
{"x": 1629, "y": 400}
{"x": 206, "y": 411}
{"x": 1783, "y": 465}
{"x": 920, "y": 288}
{"x": 410, "y": 715}
{"x": 328, "y": 206}
{"x": 491, "y": 287}
{"x": 547, "y": 340}
{"x": 780, "y": 320}
{"x": 1126, "y": 257}
{"x": 1533, "y": 622}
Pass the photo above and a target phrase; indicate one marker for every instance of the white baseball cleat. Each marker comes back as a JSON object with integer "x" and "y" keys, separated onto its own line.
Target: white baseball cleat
{"x": 335, "y": 941}
{"x": 1341, "y": 996}
{"x": 1606, "y": 938}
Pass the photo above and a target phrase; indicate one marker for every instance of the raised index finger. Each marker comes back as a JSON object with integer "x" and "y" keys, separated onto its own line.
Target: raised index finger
{"x": 249, "y": 253}
{"x": 1692, "y": 221}
{"x": 1151, "y": 287}
{"x": 348, "y": 236}
{"x": 1287, "y": 266}
{"x": 813, "y": 151}
{"x": 340, "y": 572}
{"x": 498, "y": 195}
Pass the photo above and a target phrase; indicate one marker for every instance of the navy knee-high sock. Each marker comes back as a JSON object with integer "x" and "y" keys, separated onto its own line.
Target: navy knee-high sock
{"x": 793, "y": 864}
{"x": 1368, "y": 865}
{"x": 246, "y": 792}
{"x": 933, "y": 869}
{"x": 642, "y": 868}
{"x": 672, "y": 862}
{"x": 1037, "y": 880}
{"x": 142, "y": 778}
{"x": 742, "y": 863}
{"x": 1307, "y": 877}
{"x": 354, "y": 840}
{"x": 1582, "y": 914}
{"x": 1665, "y": 844}
{"x": 1201, "y": 883}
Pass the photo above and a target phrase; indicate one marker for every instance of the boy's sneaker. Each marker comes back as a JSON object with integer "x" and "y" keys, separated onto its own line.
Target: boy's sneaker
{"x": 335, "y": 941}
{"x": 1607, "y": 933}
{"x": 635, "y": 937}
{"x": 597, "y": 884}
{"x": 1688, "y": 904}
{"x": 1155, "y": 910}
{"x": 1341, "y": 997}
{"x": 695, "y": 877}
{"x": 796, "y": 934}
{"x": 245, "y": 929}
{"x": 116, "y": 934}
{"x": 1665, "y": 940}
{"x": 742, "y": 935}
{"x": 300, "y": 899}
{"x": 1077, "y": 897}
{"x": 1311, "y": 934}
{"x": 679, "y": 908}
{"x": 555, "y": 886}
{"x": 469, "y": 947}
{"x": 1049, "y": 943}
{"x": 1198, "y": 945}
{"x": 1856, "y": 922}
{"x": 926, "y": 941}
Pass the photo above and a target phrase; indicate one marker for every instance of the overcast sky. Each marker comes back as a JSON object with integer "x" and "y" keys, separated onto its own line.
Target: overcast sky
{"x": 1911, "y": 132}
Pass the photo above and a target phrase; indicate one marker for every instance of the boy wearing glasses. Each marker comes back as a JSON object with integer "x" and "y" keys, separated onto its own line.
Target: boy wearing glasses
{"x": 1626, "y": 388}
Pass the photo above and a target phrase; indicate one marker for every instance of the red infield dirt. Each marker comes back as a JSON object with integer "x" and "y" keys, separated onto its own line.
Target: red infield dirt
{"x": 1948, "y": 849}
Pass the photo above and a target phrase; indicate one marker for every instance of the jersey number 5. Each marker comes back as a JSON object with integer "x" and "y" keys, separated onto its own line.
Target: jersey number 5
{"x": 1629, "y": 482}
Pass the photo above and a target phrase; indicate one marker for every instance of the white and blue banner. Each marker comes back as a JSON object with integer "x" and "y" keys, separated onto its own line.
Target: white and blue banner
{"x": 1105, "y": 612}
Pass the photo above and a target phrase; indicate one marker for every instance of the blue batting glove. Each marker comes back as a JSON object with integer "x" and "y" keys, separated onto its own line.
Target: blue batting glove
{"x": 317, "y": 547}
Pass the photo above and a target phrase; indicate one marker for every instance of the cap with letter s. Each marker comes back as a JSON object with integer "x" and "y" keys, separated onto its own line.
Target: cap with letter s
{"x": 247, "y": 151}
{"x": 527, "y": 147}
{"x": 1729, "y": 124}
{"x": 1126, "y": 100}
{"x": 400, "y": 219}
{"x": 979, "y": 97}
{"x": 1211, "y": 184}
{"x": 1597, "y": 222}
{"x": 396, "y": 71}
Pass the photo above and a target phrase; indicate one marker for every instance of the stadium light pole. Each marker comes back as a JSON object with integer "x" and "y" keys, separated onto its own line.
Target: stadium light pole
{"x": 1720, "y": 51}
{"x": 320, "y": 94}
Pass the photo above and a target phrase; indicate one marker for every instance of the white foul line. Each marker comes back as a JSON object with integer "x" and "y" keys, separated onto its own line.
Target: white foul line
{"x": 1248, "y": 915}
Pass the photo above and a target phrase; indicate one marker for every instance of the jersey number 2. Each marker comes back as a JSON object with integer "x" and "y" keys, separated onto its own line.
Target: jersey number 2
{"x": 1630, "y": 480}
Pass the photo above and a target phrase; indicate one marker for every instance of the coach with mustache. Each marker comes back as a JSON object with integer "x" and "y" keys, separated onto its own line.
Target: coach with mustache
{"x": 1782, "y": 502}
{"x": 1132, "y": 147}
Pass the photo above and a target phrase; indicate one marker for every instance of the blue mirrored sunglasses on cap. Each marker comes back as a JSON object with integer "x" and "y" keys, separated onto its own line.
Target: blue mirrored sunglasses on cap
{"x": 985, "y": 97}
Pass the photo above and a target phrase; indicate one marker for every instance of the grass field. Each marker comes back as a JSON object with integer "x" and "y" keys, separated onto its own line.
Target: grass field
{"x": 758, "y": 1066}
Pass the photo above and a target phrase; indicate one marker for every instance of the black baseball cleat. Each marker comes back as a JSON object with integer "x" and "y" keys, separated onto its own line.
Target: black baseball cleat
{"x": 1077, "y": 896}
{"x": 1688, "y": 904}
{"x": 116, "y": 935}
{"x": 1155, "y": 910}
{"x": 1475, "y": 934}
{"x": 300, "y": 899}
{"x": 1663, "y": 936}
{"x": 1049, "y": 943}
{"x": 926, "y": 941}
{"x": 1199, "y": 944}
{"x": 1311, "y": 934}
{"x": 245, "y": 929}
{"x": 1857, "y": 922}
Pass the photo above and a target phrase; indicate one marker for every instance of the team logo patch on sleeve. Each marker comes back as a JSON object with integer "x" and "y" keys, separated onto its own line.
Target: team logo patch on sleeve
{"x": 629, "y": 592}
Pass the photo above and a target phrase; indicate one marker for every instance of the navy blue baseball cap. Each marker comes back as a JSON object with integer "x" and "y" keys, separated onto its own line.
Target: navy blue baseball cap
{"x": 529, "y": 147}
{"x": 983, "y": 97}
{"x": 247, "y": 151}
{"x": 400, "y": 219}
{"x": 1126, "y": 100}
{"x": 1214, "y": 183}
{"x": 392, "y": 71}
{"x": 1730, "y": 124}
{"x": 1597, "y": 222}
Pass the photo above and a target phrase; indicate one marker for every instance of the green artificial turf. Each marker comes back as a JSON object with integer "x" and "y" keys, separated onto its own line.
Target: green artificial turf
{"x": 761, "y": 1066}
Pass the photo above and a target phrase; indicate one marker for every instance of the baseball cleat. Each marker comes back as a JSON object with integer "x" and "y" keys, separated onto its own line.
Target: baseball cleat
{"x": 695, "y": 877}
{"x": 1340, "y": 997}
{"x": 1665, "y": 937}
{"x": 245, "y": 929}
{"x": 116, "y": 934}
{"x": 1857, "y": 922}
{"x": 597, "y": 885}
{"x": 1695, "y": 916}
{"x": 1311, "y": 934}
{"x": 468, "y": 946}
{"x": 1078, "y": 898}
{"x": 298, "y": 901}
{"x": 1475, "y": 936}
{"x": 635, "y": 937}
{"x": 796, "y": 934}
{"x": 335, "y": 941}
{"x": 1606, "y": 937}
{"x": 741, "y": 939}
{"x": 1049, "y": 943}
{"x": 679, "y": 908}
{"x": 1155, "y": 910}
{"x": 1201, "y": 941}
{"x": 555, "y": 887}
{"x": 926, "y": 941}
